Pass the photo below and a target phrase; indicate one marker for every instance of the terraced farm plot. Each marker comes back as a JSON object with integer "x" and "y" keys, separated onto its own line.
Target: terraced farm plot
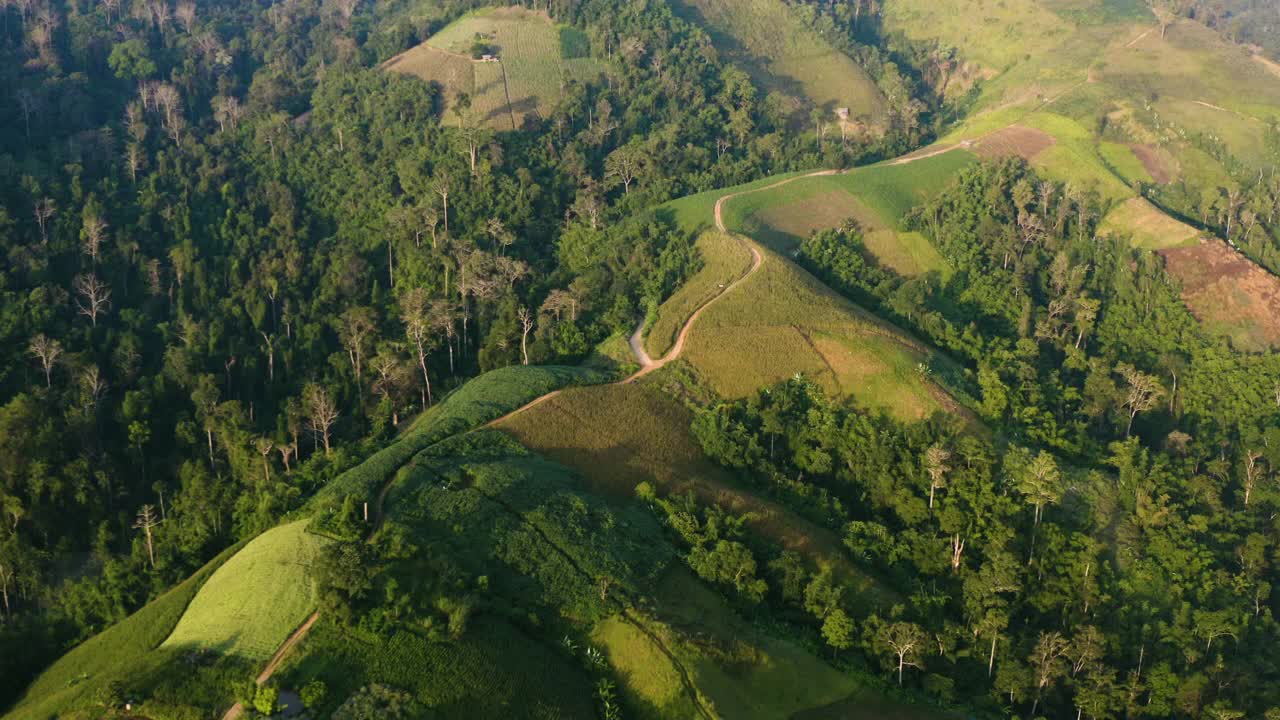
{"x": 256, "y": 599}
{"x": 782, "y": 54}
{"x": 1229, "y": 294}
{"x": 526, "y": 79}
{"x": 724, "y": 260}
{"x": 1148, "y": 226}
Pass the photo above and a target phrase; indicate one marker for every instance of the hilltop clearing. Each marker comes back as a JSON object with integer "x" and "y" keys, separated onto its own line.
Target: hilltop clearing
{"x": 498, "y": 66}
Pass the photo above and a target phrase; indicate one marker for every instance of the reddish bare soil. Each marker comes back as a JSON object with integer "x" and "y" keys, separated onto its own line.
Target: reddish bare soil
{"x": 1156, "y": 166}
{"x": 1015, "y": 140}
{"x": 1228, "y": 293}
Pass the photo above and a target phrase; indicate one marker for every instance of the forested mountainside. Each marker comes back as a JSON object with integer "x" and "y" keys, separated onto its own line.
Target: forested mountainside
{"x": 720, "y": 358}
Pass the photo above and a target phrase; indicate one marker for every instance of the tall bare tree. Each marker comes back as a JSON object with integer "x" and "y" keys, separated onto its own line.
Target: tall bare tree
{"x": 322, "y": 413}
{"x": 442, "y": 185}
{"x": 417, "y": 326}
{"x": 47, "y": 350}
{"x": 526, "y": 326}
{"x": 356, "y": 328}
{"x": 904, "y": 640}
{"x": 44, "y": 210}
{"x": 1142, "y": 391}
{"x": 92, "y": 233}
{"x": 93, "y": 297}
{"x": 146, "y": 521}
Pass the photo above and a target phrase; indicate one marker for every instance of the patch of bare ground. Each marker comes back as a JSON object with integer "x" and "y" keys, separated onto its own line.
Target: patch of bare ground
{"x": 1154, "y": 162}
{"x": 1228, "y": 293}
{"x": 1014, "y": 141}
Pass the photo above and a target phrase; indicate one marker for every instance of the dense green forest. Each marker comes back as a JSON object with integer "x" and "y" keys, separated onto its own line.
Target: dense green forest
{"x": 241, "y": 260}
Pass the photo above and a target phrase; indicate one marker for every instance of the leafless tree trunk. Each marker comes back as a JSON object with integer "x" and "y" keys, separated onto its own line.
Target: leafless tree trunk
{"x": 94, "y": 297}
{"x": 526, "y": 325}
{"x": 44, "y": 209}
{"x": 47, "y": 350}
{"x": 146, "y": 521}
{"x": 441, "y": 186}
{"x": 322, "y": 412}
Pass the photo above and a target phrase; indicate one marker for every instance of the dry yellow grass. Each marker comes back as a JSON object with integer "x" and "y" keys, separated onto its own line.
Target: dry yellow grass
{"x": 1148, "y": 226}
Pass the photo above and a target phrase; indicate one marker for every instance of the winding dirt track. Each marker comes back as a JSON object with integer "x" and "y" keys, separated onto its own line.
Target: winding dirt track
{"x": 647, "y": 365}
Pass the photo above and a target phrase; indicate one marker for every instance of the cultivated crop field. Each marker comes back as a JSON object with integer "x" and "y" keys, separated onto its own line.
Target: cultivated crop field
{"x": 877, "y": 196}
{"x": 724, "y": 260}
{"x": 532, "y": 66}
{"x": 256, "y": 599}
{"x": 782, "y": 54}
{"x": 767, "y": 331}
{"x": 482, "y": 399}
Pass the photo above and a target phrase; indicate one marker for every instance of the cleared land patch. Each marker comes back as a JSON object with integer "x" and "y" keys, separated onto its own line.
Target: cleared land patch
{"x": 724, "y": 259}
{"x": 1156, "y": 163}
{"x": 783, "y": 55}
{"x": 532, "y": 59}
{"x": 1229, "y": 294}
{"x": 254, "y": 601}
{"x": 1148, "y": 226}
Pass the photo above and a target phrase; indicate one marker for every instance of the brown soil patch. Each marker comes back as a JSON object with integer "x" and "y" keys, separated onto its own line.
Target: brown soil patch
{"x": 1228, "y": 293}
{"x": 1014, "y": 141}
{"x": 1154, "y": 162}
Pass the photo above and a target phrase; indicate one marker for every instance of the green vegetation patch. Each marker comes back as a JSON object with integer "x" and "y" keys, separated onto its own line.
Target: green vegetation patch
{"x": 127, "y": 653}
{"x": 254, "y": 601}
{"x": 994, "y": 33}
{"x": 493, "y": 670}
{"x": 617, "y": 436}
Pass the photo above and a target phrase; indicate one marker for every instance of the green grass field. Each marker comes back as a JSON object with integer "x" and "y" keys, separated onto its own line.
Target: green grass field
{"x": 128, "y": 652}
{"x": 536, "y": 58}
{"x": 783, "y": 55}
{"x": 256, "y": 599}
{"x": 724, "y": 260}
{"x": 994, "y": 33}
{"x": 877, "y": 196}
